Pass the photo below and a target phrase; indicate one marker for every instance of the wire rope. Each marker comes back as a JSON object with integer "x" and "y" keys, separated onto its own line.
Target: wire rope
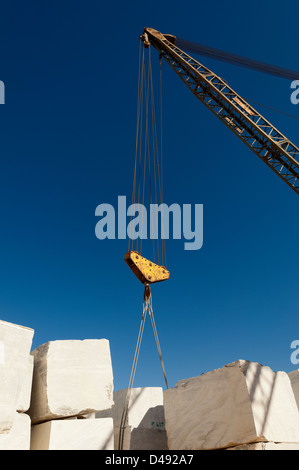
{"x": 147, "y": 308}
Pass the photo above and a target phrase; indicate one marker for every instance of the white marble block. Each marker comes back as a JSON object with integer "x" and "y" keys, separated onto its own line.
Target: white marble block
{"x": 16, "y": 368}
{"x": 240, "y": 403}
{"x": 145, "y": 423}
{"x": 18, "y": 437}
{"x": 267, "y": 446}
{"x": 26, "y": 375}
{"x": 294, "y": 378}
{"x": 73, "y": 434}
{"x": 71, "y": 378}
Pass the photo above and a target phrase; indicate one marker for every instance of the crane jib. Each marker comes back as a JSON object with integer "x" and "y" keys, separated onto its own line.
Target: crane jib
{"x": 271, "y": 146}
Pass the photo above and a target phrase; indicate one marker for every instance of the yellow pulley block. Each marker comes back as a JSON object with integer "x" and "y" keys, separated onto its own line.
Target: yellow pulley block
{"x": 145, "y": 270}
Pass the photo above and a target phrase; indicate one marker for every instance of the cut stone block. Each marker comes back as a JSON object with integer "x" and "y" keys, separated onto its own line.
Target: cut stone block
{"x": 24, "y": 395}
{"x": 15, "y": 391}
{"x": 242, "y": 402}
{"x": 141, "y": 439}
{"x": 16, "y": 368}
{"x": 16, "y": 342}
{"x": 71, "y": 378}
{"x": 73, "y": 434}
{"x": 145, "y": 423}
{"x": 266, "y": 446}
{"x": 294, "y": 378}
{"x": 18, "y": 437}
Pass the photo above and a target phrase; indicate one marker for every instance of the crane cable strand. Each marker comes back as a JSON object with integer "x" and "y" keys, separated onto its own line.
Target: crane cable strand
{"x": 138, "y": 126}
{"x": 272, "y": 109}
{"x": 164, "y": 263}
{"x": 151, "y": 315}
{"x": 148, "y": 160}
{"x": 147, "y": 308}
{"x": 236, "y": 59}
{"x": 131, "y": 380}
{"x": 240, "y": 61}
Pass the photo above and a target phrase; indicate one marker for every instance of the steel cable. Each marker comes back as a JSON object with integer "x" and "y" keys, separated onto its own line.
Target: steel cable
{"x": 147, "y": 308}
{"x": 236, "y": 59}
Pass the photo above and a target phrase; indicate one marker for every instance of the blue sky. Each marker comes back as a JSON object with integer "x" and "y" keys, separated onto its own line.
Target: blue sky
{"x": 67, "y": 140}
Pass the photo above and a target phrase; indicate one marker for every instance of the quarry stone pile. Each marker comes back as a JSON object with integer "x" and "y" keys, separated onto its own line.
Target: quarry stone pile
{"x": 71, "y": 378}
{"x": 61, "y": 396}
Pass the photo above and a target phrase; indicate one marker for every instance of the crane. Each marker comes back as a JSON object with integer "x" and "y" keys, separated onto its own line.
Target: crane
{"x": 267, "y": 142}
{"x": 270, "y": 145}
